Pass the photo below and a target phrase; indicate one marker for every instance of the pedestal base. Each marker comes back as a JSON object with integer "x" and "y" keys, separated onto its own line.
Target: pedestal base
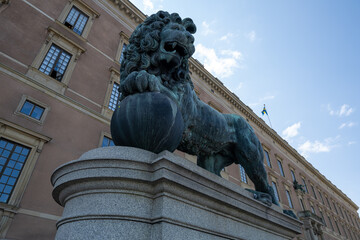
{"x": 128, "y": 193}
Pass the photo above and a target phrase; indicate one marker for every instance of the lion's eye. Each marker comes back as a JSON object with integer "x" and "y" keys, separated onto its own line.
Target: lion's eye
{"x": 175, "y": 27}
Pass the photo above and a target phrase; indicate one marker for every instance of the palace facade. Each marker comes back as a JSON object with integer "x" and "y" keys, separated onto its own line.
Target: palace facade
{"x": 59, "y": 74}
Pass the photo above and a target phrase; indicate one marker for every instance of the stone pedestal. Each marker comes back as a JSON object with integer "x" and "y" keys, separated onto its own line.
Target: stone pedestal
{"x": 126, "y": 193}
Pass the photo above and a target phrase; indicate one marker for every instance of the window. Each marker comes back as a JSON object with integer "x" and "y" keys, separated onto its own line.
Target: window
{"x": 78, "y": 17}
{"x": 335, "y": 208}
{"x": 275, "y": 191}
{"x": 32, "y": 110}
{"x": 107, "y": 142}
{"x": 122, "y": 52}
{"x": 293, "y": 175}
{"x": 337, "y": 226}
{"x": 76, "y": 20}
{"x": 322, "y": 200}
{"x": 302, "y": 204}
{"x": 322, "y": 218}
{"x": 344, "y": 230}
{"x": 242, "y": 174}
{"x": 312, "y": 188}
{"x": 281, "y": 168}
{"x": 114, "y": 96}
{"x": 124, "y": 42}
{"x": 289, "y": 198}
{"x": 327, "y": 200}
{"x": 304, "y": 183}
{"x": 12, "y": 160}
{"x": 312, "y": 209}
{"x": 267, "y": 158}
{"x": 112, "y": 93}
{"x": 55, "y": 62}
{"x": 332, "y": 227}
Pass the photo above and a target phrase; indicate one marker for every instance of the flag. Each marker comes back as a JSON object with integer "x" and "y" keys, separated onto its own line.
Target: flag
{"x": 264, "y": 111}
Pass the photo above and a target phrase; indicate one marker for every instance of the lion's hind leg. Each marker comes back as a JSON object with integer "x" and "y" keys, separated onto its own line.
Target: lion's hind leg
{"x": 249, "y": 153}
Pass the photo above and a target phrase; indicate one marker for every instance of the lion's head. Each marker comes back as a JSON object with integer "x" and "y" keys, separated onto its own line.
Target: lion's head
{"x": 161, "y": 45}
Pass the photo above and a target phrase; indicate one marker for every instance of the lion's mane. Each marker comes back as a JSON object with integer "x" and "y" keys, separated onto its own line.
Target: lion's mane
{"x": 142, "y": 51}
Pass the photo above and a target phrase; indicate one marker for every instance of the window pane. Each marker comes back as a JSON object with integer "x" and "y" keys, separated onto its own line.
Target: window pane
{"x": 293, "y": 175}
{"x": 76, "y": 20}
{"x": 37, "y": 113}
{"x": 267, "y": 158}
{"x": 114, "y": 97}
{"x": 281, "y": 168}
{"x": 289, "y": 199}
{"x": 122, "y": 52}
{"x": 242, "y": 174}
{"x": 56, "y": 66}
{"x": 107, "y": 142}
{"x": 12, "y": 167}
{"x": 27, "y": 108}
{"x": 275, "y": 191}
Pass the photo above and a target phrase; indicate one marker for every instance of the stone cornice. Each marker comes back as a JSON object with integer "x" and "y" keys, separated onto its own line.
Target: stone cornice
{"x": 130, "y": 10}
{"x": 196, "y": 67}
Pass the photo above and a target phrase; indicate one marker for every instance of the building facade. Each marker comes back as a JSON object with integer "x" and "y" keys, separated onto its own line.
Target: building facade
{"x": 59, "y": 74}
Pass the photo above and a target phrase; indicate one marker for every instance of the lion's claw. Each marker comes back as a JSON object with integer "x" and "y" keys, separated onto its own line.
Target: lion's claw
{"x": 138, "y": 82}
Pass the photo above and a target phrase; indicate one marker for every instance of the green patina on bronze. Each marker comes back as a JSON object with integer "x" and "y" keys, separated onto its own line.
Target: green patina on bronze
{"x": 156, "y": 60}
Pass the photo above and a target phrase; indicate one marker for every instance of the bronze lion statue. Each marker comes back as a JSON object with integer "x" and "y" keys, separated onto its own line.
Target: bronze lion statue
{"x": 156, "y": 60}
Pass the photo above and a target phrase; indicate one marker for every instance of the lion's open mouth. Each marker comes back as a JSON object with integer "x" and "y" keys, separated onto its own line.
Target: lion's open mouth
{"x": 175, "y": 47}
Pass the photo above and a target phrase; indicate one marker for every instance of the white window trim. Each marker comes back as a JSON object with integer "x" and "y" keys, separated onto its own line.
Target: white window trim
{"x": 55, "y": 37}
{"x": 124, "y": 39}
{"x": 114, "y": 78}
{"x": 85, "y": 8}
{"x": 35, "y": 142}
{"x": 33, "y": 100}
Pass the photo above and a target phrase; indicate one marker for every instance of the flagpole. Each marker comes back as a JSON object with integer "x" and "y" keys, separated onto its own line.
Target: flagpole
{"x": 269, "y": 121}
{"x": 264, "y": 111}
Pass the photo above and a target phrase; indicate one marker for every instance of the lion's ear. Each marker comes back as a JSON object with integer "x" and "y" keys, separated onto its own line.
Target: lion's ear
{"x": 189, "y": 25}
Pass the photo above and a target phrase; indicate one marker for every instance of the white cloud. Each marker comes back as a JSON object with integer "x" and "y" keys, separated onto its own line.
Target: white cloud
{"x": 351, "y": 142}
{"x": 317, "y": 146}
{"x": 226, "y": 37}
{"x": 291, "y": 131}
{"x": 251, "y": 36}
{"x": 148, "y": 5}
{"x": 206, "y": 30}
{"x": 240, "y": 85}
{"x": 222, "y": 66}
{"x": 345, "y": 110}
{"x": 349, "y": 125}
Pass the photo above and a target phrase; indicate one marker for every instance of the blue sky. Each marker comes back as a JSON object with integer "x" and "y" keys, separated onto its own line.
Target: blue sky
{"x": 300, "y": 58}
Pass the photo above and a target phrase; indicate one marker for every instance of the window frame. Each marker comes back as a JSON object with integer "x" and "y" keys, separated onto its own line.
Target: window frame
{"x": 276, "y": 190}
{"x": 55, "y": 37}
{"x": 267, "y": 158}
{"x": 35, "y": 142}
{"x": 62, "y": 51}
{"x": 114, "y": 78}
{"x": 124, "y": 39}
{"x": 7, "y": 165}
{"x": 84, "y": 8}
{"x": 243, "y": 177}
{"x": 281, "y": 168}
{"x": 292, "y": 173}
{"x": 25, "y": 98}
{"x": 288, "y": 196}
{"x": 102, "y": 136}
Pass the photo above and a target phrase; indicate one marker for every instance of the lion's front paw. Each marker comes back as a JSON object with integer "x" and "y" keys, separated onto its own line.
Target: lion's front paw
{"x": 138, "y": 82}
